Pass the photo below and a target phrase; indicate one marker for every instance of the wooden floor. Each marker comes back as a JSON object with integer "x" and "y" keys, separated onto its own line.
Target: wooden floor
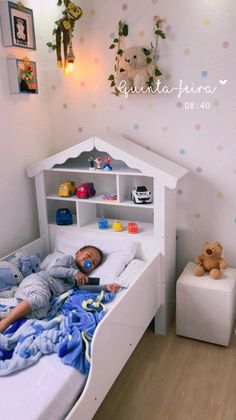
{"x": 174, "y": 378}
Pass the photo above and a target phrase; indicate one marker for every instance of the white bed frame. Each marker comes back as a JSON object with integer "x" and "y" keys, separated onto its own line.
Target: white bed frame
{"x": 152, "y": 294}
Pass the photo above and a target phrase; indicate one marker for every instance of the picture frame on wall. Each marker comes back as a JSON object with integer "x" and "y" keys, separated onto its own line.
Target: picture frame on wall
{"x": 17, "y": 25}
{"x": 22, "y": 75}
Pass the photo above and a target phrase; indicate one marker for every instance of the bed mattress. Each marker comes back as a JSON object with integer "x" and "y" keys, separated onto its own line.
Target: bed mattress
{"x": 49, "y": 389}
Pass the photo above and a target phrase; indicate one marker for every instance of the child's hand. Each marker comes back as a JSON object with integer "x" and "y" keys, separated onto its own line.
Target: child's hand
{"x": 81, "y": 279}
{"x": 112, "y": 287}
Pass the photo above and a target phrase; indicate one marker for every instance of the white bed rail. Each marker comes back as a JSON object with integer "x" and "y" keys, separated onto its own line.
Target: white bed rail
{"x": 37, "y": 246}
{"x": 116, "y": 337}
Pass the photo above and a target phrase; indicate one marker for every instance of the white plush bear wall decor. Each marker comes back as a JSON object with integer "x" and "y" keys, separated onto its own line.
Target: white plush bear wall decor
{"x": 135, "y": 69}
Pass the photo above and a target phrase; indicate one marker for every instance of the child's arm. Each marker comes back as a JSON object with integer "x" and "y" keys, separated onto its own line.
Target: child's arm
{"x": 62, "y": 269}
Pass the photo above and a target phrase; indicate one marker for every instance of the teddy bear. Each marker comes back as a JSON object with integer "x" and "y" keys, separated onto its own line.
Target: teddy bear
{"x": 210, "y": 260}
{"x": 13, "y": 271}
{"x": 134, "y": 72}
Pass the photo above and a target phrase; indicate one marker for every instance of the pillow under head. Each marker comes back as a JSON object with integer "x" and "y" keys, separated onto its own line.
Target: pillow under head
{"x": 117, "y": 253}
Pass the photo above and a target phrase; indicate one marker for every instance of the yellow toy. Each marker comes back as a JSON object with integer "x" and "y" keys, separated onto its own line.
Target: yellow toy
{"x": 210, "y": 260}
{"x": 66, "y": 189}
{"x": 117, "y": 226}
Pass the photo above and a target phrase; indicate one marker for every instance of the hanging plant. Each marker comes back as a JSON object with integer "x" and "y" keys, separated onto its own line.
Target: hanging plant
{"x": 63, "y": 33}
{"x": 123, "y": 31}
{"x": 135, "y": 69}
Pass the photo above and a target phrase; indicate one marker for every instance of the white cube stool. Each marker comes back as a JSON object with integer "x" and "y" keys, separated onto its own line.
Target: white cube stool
{"x": 205, "y": 307}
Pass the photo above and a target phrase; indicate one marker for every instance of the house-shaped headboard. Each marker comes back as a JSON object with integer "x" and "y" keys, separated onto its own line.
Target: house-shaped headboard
{"x": 132, "y": 166}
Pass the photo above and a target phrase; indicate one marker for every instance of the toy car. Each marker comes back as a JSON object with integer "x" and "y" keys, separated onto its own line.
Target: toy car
{"x": 103, "y": 223}
{"x": 132, "y": 227}
{"x": 64, "y": 217}
{"x": 140, "y": 195}
{"x": 117, "y": 226}
{"x": 86, "y": 190}
{"x": 66, "y": 189}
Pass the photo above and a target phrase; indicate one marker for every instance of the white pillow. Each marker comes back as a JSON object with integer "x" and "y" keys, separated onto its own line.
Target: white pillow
{"x": 117, "y": 253}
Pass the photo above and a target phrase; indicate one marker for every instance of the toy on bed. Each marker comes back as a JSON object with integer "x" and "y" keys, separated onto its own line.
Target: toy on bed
{"x": 13, "y": 271}
{"x": 210, "y": 260}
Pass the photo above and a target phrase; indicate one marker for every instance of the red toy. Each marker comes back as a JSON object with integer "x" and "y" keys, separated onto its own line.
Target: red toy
{"x": 85, "y": 190}
{"x": 132, "y": 227}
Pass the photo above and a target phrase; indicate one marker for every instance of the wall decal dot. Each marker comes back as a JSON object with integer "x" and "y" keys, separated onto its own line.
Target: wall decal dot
{"x": 168, "y": 28}
{"x": 112, "y": 35}
{"x": 199, "y": 170}
{"x": 108, "y": 129}
{"x": 179, "y": 191}
{"x": 220, "y": 194}
{"x": 182, "y": 151}
{"x": 136, "y": 126}
{"x": 204, "y": 73}
{"x": 94, "y": 106}
{"x": 187, "y": 51}
{"x": 220, "y": 147}
{"x": 197, "y": 126}
{"x": 164, "y": 129}
{"x": 92, "y": 12}
{"x": 124, "y": 6}
{"x": 197, "y": 215}
{"x": 154, "y": 1}
{"x": 121, "y": 107}
{"x": 81, "y": 39}
{"x": 80, "y": 129}
{"x": 179, "y": 104}
{"x": 65, "y": 106}
{"x": 216, "y": 103}
{"x": 82, "y": 84}
{"x": 206, "y": 21}
{"x": 53, "y": 87}
{"x": 96, "y": 60}
{"x": 141, "y": 34}
{"x": 225, "y": 44}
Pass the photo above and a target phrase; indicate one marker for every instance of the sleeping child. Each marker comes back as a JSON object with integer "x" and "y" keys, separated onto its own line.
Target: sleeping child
{"x": 35, "y": 291}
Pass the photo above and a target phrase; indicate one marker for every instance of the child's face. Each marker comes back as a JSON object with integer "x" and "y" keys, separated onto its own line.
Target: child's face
{"x": 87, "y": 254}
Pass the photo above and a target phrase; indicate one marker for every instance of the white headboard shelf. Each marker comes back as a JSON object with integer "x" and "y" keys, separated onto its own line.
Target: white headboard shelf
{"x": 132, "y": 166}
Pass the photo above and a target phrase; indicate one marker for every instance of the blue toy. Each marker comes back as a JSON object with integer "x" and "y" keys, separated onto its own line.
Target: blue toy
{"x": 29, "y": 264}
{"x": 103, "y": 223}
{"x": 87, "y": 264}
{"x": 107, "y": 166}
{"x": 64, "y": 217}
{"x": 13, "y": 271}
{"x": 10, "y": 275}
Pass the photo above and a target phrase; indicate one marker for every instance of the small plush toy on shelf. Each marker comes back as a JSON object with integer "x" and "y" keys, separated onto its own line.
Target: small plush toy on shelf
{"x": 210, "y": 260}
{"x": 91, "y": 161}
{"x": 107, "y": 166}
{"x": 98, "y": 162}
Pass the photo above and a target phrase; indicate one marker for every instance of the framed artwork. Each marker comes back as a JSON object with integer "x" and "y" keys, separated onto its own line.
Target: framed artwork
{"x": 22, "y": 76}
{"x": 17, "y": 23}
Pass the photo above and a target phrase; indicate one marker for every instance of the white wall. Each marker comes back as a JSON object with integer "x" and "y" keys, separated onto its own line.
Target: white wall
{"x": 25, "y": 138}
{"x": 200, "y": 49}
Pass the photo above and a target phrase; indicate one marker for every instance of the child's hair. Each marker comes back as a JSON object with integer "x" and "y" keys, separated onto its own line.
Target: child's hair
{"x": 96, "y": 249}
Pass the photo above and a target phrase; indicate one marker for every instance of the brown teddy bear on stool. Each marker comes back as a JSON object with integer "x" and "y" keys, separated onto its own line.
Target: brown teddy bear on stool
{"x": 210, "y": 260}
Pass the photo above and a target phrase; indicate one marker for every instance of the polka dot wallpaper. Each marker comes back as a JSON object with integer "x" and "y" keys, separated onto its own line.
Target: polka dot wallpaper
{"x": 195, "y": 127}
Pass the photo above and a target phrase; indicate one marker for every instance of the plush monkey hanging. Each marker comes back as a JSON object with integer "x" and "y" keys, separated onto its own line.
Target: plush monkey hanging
{"x": 64, "y": 32}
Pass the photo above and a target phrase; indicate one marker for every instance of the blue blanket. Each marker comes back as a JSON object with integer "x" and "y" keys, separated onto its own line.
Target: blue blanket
{"x": 67, "y": 331}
